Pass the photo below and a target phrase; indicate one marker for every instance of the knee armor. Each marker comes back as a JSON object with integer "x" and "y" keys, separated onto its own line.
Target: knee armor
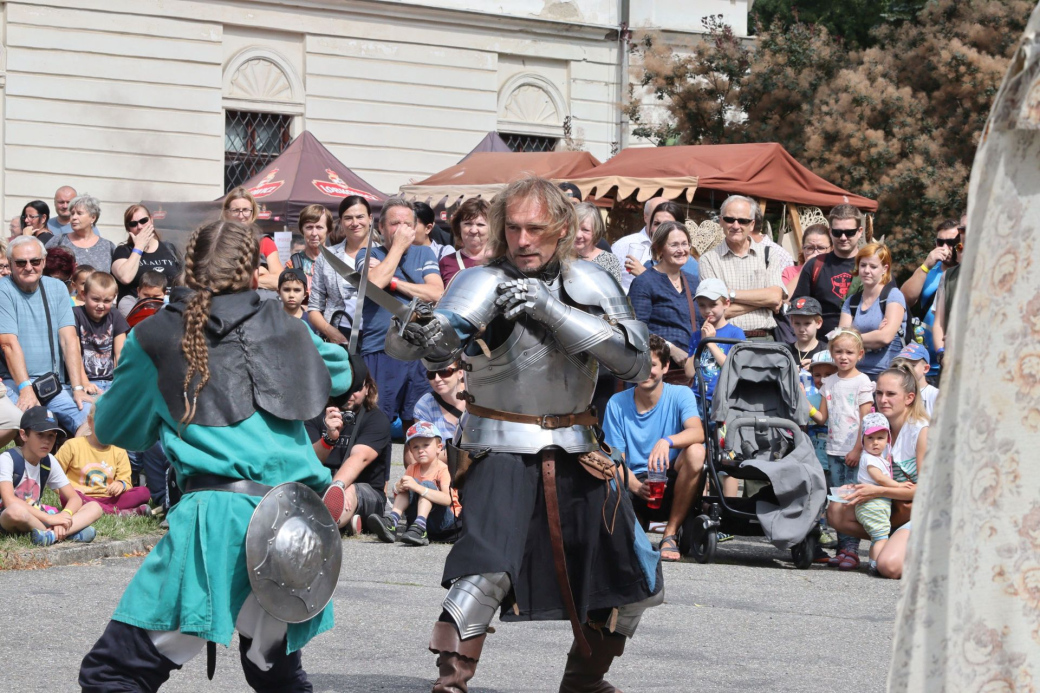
{"x": 473, "y": 600}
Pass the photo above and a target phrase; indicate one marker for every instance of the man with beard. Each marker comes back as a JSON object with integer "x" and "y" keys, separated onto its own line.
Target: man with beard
{"x": 550, "y": 533}
{"x": 827, "y": 277}
{"x": 923, "y": 285}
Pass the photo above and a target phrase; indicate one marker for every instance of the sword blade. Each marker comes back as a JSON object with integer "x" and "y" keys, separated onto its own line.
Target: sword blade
{"x": 358, "y": 323}
{"x": 383, "y": 299}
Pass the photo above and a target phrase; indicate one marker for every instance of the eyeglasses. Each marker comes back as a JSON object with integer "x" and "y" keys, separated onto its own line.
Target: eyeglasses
{"x": 847, "y": 233}
{"x": 949, "y": 242}
{"x": 444, "y": 373}
{"x": 678, "y": 246}
{"x": 30, "y": 217}
{"x": 4, "y": 267}
{"x": 241, "y": 212}
{"x": 140, "y": 222}
{"x": 816, "y": 249}
{"x": 737, "y": 220}
{"x": 35, "y": 262}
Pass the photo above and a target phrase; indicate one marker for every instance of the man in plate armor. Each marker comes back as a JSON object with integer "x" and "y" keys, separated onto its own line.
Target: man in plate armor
{"x": 550, "y": 532}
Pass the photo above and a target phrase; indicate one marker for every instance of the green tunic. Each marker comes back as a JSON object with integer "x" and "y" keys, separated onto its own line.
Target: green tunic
{"x": 195, "y": 579}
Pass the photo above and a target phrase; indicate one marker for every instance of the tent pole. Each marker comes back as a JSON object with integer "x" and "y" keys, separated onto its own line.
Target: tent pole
{"x": 796, "y": 224}
{"x": 870, "y": 228}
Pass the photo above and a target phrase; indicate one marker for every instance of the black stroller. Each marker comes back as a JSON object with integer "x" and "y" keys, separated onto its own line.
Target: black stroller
{"x": 760, "y": 404}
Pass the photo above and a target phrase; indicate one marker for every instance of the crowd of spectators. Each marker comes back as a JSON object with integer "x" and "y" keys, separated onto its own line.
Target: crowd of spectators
{"x": 64, "y": 316}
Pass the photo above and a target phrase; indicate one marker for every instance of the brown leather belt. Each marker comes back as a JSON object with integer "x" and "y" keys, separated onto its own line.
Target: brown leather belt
{"x": 548, "y": 421}
{"x": 552, "y": 510}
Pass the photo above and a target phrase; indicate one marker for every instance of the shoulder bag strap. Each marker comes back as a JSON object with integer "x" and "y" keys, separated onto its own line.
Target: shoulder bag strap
{"x": 50, "y": 328}
{"x": 450, "y": 408}
{"x": 357, "y": 427}
{"x": 689, "y": 302}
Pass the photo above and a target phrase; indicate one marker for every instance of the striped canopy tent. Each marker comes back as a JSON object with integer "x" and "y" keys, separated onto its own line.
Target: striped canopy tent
{"x": 485, "y": 173}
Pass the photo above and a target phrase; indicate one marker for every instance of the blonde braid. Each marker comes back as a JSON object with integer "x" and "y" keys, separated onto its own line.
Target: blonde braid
{"x": 220, "y": 258}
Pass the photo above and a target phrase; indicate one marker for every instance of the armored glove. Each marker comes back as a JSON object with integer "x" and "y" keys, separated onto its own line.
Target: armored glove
{"x": 422, "y": 335}
{"x": 528, "y": 296}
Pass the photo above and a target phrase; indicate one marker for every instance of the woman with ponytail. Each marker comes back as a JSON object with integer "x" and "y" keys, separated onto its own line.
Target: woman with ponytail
{"x": 898, "y": 399}
{"x": 206, "y": 377}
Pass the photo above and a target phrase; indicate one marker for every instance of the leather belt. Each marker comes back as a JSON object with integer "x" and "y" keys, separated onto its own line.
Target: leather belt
{"x": 547, "y": 421}
{"x": 552, "y": 510}
{"x": 212, "y": 482}
{"x": 758, "y": 333}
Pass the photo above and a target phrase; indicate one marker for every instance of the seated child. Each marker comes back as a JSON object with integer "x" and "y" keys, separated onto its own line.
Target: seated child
{"x": 101, "y": 474}
{"x": 24, "y": 473}
{"x": 101, "y": 331}
{"x": 874, "y": 468}
{"x": 425, "y": 500}
{"x": 915, "y": 357}
{"x": 152, "y": 285}
{"x": 76, "y": 289}
{"x": 292, "y": 290}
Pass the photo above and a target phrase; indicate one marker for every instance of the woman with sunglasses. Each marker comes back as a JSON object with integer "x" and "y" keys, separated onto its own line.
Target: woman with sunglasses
{"x": 34, "y": 221}
{"x": 143, "y": 250}
{"x": 88, "y": 247}
{"x": 441, "y": 407}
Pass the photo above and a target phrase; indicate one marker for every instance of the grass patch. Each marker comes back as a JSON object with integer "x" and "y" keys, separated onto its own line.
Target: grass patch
{"x": 108, "y": 527}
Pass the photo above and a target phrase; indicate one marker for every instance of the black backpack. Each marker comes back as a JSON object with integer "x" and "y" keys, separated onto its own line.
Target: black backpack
{"x": 784, "y": 331}
{"x": 855, "y": 299}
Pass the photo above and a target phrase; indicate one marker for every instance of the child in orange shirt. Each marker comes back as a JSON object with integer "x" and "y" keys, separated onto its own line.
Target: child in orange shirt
{"x": 425, "y": 500}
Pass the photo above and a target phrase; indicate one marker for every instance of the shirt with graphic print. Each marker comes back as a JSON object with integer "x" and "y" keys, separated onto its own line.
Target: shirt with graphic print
{"x": 97, "y": 340}
{"x": 830, "y": 288}
{"x": 844, "y": 397}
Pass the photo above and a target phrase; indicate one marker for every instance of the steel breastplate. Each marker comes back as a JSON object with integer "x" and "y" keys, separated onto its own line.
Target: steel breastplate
{"x": 529, "y": 374}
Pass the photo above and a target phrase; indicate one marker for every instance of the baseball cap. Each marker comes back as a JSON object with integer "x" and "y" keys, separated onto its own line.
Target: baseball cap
{"x": 914, "y": 352}
{"x": 822, "y": 358}
{"x": 571, "y": 190}
{"x": 874, "y": 422}
{"x": 292, "y": 274}
{"x": 805, "y": 305}
{"x": 712, "y": 289}
{"x": 422, "y": 429}
{"x": 41, "y": 420}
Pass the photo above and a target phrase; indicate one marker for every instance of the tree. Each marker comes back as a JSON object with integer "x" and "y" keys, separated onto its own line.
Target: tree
{"x": 852, "y": 21}
{"x": 898, "y": 122}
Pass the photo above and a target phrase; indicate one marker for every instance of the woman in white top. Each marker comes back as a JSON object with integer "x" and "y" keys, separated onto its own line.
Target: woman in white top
{"x": 332, "y": 301}
{"x": 898, "y": 398}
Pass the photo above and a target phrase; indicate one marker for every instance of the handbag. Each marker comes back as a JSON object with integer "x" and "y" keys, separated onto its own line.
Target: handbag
{"x": 677, "y": 375}
{"x": 48, "y": 385}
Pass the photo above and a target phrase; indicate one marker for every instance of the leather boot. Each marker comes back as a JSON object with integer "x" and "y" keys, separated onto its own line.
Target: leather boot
{"x": 586, "y": 675}
{"x": 456, "y": 658}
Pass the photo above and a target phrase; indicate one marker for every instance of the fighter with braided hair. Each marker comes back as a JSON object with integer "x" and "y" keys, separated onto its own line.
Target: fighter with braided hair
{"x": 205, "y": 376}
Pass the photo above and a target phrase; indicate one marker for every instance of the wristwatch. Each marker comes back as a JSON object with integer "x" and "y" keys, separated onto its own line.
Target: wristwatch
{"x": 78, "y": 388}
{"x": 733, "y": 295}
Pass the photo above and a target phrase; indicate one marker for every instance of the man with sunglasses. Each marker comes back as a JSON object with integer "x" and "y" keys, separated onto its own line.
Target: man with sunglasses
{"x": 827, "y": 278}
{"x": 922, "y": 287}
{"x": 33, "y": 345}
{"x": 756, "y": 287}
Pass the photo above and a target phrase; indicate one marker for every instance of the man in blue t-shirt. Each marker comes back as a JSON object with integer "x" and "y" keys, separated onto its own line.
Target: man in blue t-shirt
{"x": 407, "y": 271}
{"x": 657, "y": 426}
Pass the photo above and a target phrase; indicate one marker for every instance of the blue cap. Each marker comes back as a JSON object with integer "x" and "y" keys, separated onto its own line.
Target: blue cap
{"x": 914, "y": 352}
{"x": 422, "y": 429}
{"x": 41, "y": 420}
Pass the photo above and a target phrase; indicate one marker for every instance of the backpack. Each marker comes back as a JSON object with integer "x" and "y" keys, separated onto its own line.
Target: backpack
{"x": 855, "y": 299}
{"x": 784, "y": 332}
{"x": 19, "y": 470}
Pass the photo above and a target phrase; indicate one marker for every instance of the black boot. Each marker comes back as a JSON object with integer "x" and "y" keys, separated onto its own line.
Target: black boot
{"x": 583, "y": 675}
{"x": 124, "y": 660}
{"x": 456, "y": 658}
{"x": 286, "y": 674}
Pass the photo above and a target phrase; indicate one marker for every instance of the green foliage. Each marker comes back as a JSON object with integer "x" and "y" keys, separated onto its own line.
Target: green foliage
{"x": 898, "y": 122}
{"x": 851, "y": 21}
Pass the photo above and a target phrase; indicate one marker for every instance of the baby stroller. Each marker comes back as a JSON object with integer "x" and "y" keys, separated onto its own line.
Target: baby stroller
{"x": 760, "y": 403}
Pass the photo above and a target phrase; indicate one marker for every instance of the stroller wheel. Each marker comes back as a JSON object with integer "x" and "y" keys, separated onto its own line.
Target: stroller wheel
{"x": 803, "y": 551}
{"x": 703, "y": 539}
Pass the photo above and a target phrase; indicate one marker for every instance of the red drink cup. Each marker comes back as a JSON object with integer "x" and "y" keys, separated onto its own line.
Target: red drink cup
{"x": 655, "y": 482}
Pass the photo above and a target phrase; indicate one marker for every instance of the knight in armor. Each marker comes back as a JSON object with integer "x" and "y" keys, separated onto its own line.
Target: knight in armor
{"x": 550, "y": 532}
{"x": 207, "y": 376}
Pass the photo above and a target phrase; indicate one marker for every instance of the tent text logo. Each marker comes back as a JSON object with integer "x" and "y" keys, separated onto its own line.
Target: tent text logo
{"x": 266, "y": 186}
{"x": 336, "y": 187}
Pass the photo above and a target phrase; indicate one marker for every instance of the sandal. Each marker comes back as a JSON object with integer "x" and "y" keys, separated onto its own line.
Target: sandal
{"x": 671, "y": 545}
{"x": 850, "y": 561}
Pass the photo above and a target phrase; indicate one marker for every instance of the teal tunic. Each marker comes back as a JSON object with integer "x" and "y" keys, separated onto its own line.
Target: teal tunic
{"x": 195, "y": 579}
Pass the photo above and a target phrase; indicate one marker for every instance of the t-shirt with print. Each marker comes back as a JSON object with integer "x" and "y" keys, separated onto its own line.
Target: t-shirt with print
{"x": 844, "y": 397}
{"x": 417, "y": 263}
{"x": 28, "y": 488}
{"x": 437, "y": 473}
{"x": 97, "y": 340}
{"x": 868, "y": 320}
{"x": 635, "y": 434}
{"x": 90, "y": 470}
{"x": 163, "y": 259}
{"x": 374, "y": 433}
{"x": 866, "y": 461}
{"x": 830, "y": 288}
{"x": 22, "y": 315}
{"x": 708, "y": 368}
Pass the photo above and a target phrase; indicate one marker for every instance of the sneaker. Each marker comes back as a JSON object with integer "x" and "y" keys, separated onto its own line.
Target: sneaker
{"x": 415, "y": 537}
{"x": 353, "y": 527}
{"x": 821, "y": 557}
{"x": 383, "y": 527}
{"x": 828, "y": 538}
{"x": 141, "y": 510}
{"x": 84, "y": 536}
{"x": 165, "y": 524}
{"x": 872, "y": 569}
{"x": 43, "y": 537}
{"x": 335, "y": 499}
{"x": 722, "y": 536}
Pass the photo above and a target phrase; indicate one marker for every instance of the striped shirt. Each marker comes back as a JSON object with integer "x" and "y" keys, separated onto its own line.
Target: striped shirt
{"x": 744, "y": 273}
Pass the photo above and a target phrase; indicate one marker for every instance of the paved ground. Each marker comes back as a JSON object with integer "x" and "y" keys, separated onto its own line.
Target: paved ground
{"x": 750, "y": 622}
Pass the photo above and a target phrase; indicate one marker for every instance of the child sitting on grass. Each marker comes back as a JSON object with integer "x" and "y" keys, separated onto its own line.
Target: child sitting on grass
{"x": 27, "y": 470}
{"x": 425, "y": 499}
{"x": 101, "y": 474}
{"x": 875, "y": 469}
